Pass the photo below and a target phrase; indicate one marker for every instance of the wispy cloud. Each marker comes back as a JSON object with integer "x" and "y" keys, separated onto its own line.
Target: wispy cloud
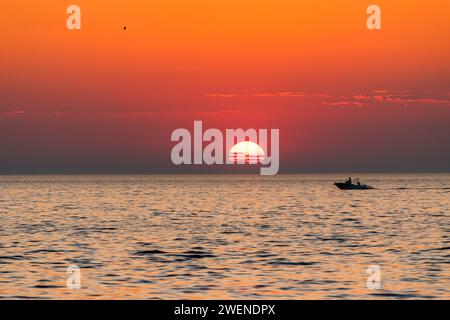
{"x": 380, "y": 91}
{"x": 410, "y": 100}
{"x": 385, "y": 97}
{"x": 147, "y": 113}
{"x": 222, "y": 95}
{"x": 362, "y": 97}
{"x": 343, "y": 104}
{"x": 373, "y": 97}
{"x": 280, "y": 94}
{"x": 300, "y": 94}
{"x": 13, "y": 112}
{"x": 219, "y": 112}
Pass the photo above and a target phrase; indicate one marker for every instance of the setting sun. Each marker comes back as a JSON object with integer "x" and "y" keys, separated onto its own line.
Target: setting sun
{"x": 246, "y": 152}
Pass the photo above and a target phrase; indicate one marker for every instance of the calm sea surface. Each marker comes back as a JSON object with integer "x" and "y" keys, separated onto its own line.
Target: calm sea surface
{"x": 237, "y": 237}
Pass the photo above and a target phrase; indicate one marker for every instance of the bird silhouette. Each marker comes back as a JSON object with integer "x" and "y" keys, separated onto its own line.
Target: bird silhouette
{"x": 125, "y": 28}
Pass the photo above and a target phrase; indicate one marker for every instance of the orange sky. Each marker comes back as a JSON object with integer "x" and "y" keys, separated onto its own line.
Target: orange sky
{"x": 310, "y": 68}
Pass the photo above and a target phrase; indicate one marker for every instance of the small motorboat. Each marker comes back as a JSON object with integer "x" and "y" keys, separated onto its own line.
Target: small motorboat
{"x": 349, "y": 185}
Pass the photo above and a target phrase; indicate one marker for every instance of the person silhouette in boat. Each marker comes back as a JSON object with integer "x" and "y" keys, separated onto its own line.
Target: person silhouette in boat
{"x": 349, "y": 181}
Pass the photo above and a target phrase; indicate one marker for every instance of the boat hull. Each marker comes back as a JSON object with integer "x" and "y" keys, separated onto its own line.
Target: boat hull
{"x": 346, "y": 186}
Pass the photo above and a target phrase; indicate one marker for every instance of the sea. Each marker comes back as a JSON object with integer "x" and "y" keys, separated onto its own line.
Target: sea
{"x": 290, "y": 236}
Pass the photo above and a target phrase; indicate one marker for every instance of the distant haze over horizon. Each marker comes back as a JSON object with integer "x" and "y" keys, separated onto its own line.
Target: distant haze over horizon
{"x": 248, "y": 171}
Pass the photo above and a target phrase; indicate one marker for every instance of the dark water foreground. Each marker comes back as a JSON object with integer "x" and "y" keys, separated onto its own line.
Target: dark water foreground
{"x": 225, "y": 237}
